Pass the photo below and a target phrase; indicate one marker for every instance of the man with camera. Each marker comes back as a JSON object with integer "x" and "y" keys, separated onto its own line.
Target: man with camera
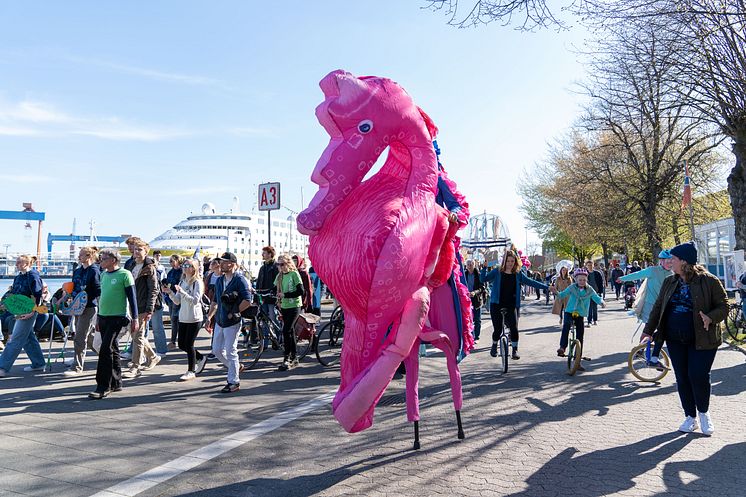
{"x": 232, "y": 296}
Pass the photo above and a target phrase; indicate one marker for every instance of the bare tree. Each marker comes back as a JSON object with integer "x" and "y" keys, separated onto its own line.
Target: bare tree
{"x": 526, "y": 15}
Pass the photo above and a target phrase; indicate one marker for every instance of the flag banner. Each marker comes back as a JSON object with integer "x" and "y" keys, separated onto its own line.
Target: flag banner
{"x": 687, "y": 196}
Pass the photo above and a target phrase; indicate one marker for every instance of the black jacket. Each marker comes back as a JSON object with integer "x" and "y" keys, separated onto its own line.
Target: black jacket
{"x": 265, "y": 281}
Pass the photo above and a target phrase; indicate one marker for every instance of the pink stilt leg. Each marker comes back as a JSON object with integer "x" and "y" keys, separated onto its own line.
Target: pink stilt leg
{"x": 353, "y": 407}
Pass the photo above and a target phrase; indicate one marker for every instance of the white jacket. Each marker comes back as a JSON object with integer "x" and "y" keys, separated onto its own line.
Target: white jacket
{"x": 190, "y": 299}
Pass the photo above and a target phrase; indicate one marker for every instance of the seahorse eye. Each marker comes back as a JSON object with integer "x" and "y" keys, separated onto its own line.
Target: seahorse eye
{"x": 365, "y": 126}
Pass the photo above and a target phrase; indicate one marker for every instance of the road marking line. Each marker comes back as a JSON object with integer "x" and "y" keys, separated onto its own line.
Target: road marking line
{"x": 171, "y": 469}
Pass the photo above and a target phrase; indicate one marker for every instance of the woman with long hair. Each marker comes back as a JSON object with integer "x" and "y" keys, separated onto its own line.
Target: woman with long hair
{"x": 506, "y": 294}
{"x": 290, "y": 293}
{"x": 562, "y": 281}
{"x": 86, "y": 278}
{"x": 686, "y": 315}
{"x": 188, "y": 296}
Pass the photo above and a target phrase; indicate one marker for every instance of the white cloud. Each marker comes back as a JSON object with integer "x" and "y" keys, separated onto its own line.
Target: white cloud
{"x": 33, "y": 118}
{"x": 24, "y": 178}
{"x": 173, "y": 77}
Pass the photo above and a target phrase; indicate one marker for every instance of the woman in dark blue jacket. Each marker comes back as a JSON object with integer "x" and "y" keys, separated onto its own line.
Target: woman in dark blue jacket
{"x": 506, "y": 294}
{"x": 27, "y": 282}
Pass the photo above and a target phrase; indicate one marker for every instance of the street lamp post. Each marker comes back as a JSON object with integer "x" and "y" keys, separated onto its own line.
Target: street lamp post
{"x": 7, "y": 263}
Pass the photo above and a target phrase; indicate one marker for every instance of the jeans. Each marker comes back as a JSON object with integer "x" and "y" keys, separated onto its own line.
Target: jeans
{"x": 592, "y": 312}
{"x": 109, "y": 369}
{"x": 477, "y": 314}
{"x": 271, "y": 311}
{"x": 41, "y": 322}
{"x": 22, "y": 337}
{"x": 617, "y": 289}
{"x": 159, "y": 332}
{"x": 579, "y": 329}
{"x": 511, "y": 321}
{"x": 692, "y": 369}
{"x": 140, "y": 345}
{"x": 83, "y": 327}
{"x": 173, "y": 311}
{"x": 225, "y": 349}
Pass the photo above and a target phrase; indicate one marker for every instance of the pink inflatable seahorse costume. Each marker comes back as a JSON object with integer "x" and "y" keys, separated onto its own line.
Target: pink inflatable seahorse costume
{"x": 382, "y": 244}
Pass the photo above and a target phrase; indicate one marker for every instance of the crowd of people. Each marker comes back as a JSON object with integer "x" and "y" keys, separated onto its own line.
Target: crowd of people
{"x": 127, "y": 299}
{"x": 680, "y": 303}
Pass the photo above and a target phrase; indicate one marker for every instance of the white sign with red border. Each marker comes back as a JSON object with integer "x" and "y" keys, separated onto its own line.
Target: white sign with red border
{"x": 269, "y": 196}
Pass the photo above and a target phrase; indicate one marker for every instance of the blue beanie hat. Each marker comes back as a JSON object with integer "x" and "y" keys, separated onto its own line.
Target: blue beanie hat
{"x": 686, "y": 252}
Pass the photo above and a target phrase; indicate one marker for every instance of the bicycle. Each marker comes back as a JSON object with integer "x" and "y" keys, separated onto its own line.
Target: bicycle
{"x": 254, "y": 343}
{"x": 735, "y": 322}
{"x": 640, "y": 364}
{"x": 329, "y": 339}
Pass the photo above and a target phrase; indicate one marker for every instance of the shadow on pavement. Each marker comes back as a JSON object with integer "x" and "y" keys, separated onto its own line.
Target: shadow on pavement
{"x": 603, "y": 472}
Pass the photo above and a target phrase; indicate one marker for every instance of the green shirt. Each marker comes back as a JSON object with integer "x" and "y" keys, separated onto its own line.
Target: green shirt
{"x": 290, "y": 282}
{"x": 113, "y": 300}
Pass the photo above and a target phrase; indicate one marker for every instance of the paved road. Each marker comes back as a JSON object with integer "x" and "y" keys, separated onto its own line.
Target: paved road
{"x": 533, "y": 432}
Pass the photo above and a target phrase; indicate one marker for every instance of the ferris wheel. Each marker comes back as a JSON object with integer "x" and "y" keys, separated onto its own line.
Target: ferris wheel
{"x": 486, "y": 234}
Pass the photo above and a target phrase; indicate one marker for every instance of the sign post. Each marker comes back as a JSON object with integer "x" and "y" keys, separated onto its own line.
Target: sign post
{"x": 269, "y": 200}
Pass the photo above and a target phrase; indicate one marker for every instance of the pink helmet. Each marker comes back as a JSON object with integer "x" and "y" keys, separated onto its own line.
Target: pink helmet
{"x": 581, "y": 271}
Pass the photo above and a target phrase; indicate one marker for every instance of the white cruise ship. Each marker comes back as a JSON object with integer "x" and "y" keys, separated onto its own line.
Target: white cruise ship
{"x": 242, "y": 233}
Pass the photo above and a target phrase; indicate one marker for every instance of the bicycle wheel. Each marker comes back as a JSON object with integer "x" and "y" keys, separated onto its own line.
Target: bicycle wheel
{"x": 642, "y": 369}
{"x": 504, "y": 352}
{"x": 574, "y": 356}
{"x": 329, "y": 344}
{"x": 252, "y": 348}
{"x": 735, "y": 322}
{"x": 303, "y": 343}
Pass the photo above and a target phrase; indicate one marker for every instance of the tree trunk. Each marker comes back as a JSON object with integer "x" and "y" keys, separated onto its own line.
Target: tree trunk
{"x": 737, "y": 190}
{"x": 676, "y": 234}
{"x": 605, "y": 250}
{"x": 651, "y": 231}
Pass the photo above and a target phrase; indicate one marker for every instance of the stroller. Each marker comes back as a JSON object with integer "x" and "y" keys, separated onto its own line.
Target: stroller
{"x": 630, "y": 293}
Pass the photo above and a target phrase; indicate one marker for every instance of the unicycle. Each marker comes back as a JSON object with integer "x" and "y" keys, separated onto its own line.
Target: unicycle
{"x": 574, "y": 352}
{"x": 641, "y": 366}
{"x": 503, "y": 343}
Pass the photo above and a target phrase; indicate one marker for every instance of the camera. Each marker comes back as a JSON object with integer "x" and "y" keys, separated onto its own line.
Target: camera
{"x": 165, "y": 283}
{"x": 229, "y": 298}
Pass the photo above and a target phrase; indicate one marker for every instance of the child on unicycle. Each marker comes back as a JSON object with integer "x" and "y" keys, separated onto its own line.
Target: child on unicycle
{"x": 579, "y": 296}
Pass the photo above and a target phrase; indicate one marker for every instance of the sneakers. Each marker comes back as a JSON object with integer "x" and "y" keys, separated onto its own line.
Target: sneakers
{"x": 230, "y": 388}
{"x": 189, "y": 375}
{"x": 132, "y": 373}
{"x": 152, "y": 363}
{"x": 706, "y": 423}
{"x": 28, "y": 369}
{"x": 689, "y": 425}
{"x": 560, "y": 352}
{"x": 201, "y": 364}
{"x": 515, "y": 355}
{"x": 293, "y": 364}
{"x": 284, "y": 366}
{"x": 493, "y": 349}
{"x": 96, "y": 395}
{"x": 72, "y": 372}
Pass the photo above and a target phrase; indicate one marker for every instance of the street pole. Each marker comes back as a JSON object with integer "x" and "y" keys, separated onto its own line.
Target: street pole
{"x": 269, "y": 228}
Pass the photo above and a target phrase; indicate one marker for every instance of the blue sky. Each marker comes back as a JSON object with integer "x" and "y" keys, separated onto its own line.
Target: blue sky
{"x": 136, "y": 113}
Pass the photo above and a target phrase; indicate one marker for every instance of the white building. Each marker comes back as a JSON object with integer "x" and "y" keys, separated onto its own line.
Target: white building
{"x": 244, "y": 234}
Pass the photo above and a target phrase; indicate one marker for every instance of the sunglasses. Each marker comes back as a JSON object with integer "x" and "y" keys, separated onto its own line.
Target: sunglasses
{"x": 187, "y": 265}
